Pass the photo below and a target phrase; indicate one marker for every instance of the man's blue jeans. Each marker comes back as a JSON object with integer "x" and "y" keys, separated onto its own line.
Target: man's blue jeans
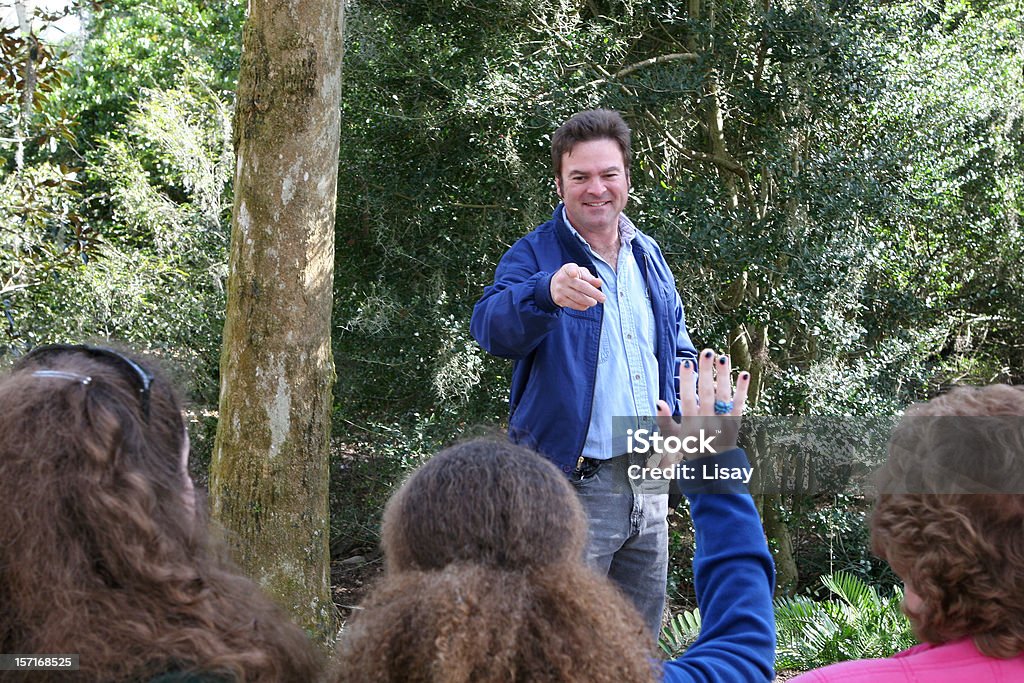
{"x": 628, "y": 535}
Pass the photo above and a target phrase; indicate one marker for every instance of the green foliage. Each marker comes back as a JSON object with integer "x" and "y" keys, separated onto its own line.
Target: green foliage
{"x": 42, "y": 233}
{"x": 857, "y": 623}
{"x": 831, "y": 535}
{"x": 134, "y": 45}
{"x": 679, "y": 633}
{"x": 115, "y": 226}
{"x": 810, "y": 204}
{"x": 439, "y": 168}
{"x": 366, "y": 469}
{"x": 681, "y": 546}
{"x": 836, "y": 187}
{"x": 154, "y": 278}
{"x": 953, "y": 146}
{"x": 31, "y": 70}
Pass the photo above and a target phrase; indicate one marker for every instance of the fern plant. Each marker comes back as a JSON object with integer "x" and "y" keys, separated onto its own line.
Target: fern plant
{"x": 857, "y": 623}
{"x": 679, "y": 633}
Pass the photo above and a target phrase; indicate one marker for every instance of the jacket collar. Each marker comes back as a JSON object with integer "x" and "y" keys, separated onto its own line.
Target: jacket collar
{"x": 574, "y": 247}
{"x": 569, "y": 242}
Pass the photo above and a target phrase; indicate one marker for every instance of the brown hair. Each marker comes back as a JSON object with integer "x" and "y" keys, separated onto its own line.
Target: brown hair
{"x": 101, "y": 555}
{"x": 596, "y": 124}
{"x": 961, "y": 551}
{"x": 485, "y": 581}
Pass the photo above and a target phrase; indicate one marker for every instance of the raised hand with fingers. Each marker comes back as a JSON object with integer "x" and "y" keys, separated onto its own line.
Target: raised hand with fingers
{"x": 708, "y": 405}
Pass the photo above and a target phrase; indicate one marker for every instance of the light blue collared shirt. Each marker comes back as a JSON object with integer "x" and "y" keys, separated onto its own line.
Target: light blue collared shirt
{"x": 627, "y": 370}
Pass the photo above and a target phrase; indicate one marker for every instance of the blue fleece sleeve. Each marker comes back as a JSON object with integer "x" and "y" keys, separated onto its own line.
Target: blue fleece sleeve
{"x": 515, "y": 313}
{"x": 734, "y": 577}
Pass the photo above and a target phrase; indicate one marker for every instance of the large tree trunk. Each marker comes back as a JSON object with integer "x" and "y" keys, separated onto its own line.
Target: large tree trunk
{"x": 269, "y": 474}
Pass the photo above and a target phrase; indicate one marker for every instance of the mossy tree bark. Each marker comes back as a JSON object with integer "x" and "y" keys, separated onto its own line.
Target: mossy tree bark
{"x": 269, "y": 472}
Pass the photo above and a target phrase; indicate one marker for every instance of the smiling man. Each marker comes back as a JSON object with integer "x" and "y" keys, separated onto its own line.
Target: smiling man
{"x": 587, "y": 308}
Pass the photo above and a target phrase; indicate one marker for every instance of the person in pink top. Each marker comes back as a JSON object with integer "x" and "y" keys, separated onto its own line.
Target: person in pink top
{"x": 949, "y": 519}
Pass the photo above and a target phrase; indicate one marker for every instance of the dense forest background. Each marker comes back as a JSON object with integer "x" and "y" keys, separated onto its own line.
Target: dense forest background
{"x": 838, "y": 186}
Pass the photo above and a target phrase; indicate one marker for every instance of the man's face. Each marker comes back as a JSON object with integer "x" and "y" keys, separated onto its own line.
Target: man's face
{"x": 594, "y": 185}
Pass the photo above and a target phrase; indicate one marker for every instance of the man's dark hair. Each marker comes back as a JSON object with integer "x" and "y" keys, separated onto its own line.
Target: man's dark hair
{"x": 595, "y": 124}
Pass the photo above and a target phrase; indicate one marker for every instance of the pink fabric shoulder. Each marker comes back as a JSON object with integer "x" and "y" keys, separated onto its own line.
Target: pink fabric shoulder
{"x": 956, "y": 662}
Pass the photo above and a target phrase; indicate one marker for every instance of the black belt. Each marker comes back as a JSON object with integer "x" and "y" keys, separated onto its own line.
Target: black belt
{"x": 588, "y": 467}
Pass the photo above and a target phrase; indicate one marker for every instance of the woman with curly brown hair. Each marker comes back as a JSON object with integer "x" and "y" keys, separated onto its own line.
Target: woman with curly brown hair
{"x": 485, "y": 578}
{"x": 484, "y": 581}
{"x": 104, "y": 552}
{"x": 949, "y": 519}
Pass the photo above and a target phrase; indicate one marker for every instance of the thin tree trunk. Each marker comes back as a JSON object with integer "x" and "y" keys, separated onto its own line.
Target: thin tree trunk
{"x": 776, "y": 528}
{"x": 269, "y": 473}
{"x": 748, "y": 343}
{"x": 28, "y": 91}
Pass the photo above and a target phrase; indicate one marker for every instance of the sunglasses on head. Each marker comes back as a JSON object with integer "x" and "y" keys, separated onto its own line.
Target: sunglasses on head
{"x": 141, "y": 377}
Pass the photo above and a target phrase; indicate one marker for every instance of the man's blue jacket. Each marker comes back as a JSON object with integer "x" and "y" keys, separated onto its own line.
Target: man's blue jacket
{"x": 556, "y": 350}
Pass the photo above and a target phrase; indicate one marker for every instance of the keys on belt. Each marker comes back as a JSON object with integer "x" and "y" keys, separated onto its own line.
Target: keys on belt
{"x": 586, "y": 467}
